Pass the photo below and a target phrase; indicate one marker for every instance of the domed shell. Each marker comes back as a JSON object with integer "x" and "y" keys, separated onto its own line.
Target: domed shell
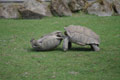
{"x": 48, "y": 41}
{"x": 81, "y": 35}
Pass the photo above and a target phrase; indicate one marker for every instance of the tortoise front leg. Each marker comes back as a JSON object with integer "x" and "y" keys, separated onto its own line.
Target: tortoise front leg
{"x": 65, "y": 43}
{"x": 69, "y": 45}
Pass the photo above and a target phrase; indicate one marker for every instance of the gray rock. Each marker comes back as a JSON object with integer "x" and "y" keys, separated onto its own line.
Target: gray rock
{"x": 81, "y": 36}
{"x": 60, "y": 8}
{"x": 33, "y": 9}
{"x": 116, "y": 4}
{"x": 9, "y": 11}
{"x": 110, "y": 1}
{"x": 47, "y": 42}
{"x": 76, "y": 5}
{"x": 104, "y": 8}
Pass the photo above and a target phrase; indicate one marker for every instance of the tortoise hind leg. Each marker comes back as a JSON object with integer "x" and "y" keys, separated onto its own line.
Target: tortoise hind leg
{"x": 95, "y": 47}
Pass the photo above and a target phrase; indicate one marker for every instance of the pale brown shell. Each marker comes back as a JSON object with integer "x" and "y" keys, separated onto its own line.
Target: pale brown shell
{"x": 82, "y": 35}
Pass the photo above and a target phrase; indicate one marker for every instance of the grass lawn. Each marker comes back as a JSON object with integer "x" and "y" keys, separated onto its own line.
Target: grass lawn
{"x": 19, "y": 62}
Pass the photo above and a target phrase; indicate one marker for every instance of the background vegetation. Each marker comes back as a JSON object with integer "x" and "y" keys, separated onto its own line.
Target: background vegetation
{"x": 19, "y": 62}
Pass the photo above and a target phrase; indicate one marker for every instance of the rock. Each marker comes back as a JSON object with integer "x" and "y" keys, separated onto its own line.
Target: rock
{"x": 60, "y": 8}
{"x": 34, "y": 9}
{"x": 110, "y": 1}
{"x": 67, "y": 1}
{"x": 103, "y": 8}
{"x": 76, "y": 5}
{"x": 116, "y": 4}
{"x": 81, "y": 3}
{"x": 9, "y": 11}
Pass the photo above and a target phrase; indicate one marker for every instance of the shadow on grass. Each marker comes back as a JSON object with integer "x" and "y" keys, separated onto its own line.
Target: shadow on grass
{"x": 33, "y": 50}
{"x": 60, "y": 49}
{"x": 80, "y": 49}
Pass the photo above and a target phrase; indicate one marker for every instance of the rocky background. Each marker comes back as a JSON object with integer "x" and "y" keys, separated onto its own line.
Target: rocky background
{"x": 37, "y": 9}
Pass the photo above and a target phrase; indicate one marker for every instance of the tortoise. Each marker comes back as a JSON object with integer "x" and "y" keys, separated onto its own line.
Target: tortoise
{"x": 80, "y": 35}
{"x": 47, "y": 42}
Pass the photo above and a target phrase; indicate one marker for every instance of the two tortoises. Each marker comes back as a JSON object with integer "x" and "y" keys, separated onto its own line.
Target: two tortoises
{"x": 73, "y": 34}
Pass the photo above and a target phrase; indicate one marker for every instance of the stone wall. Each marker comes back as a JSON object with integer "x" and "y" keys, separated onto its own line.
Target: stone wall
{"x": 18, "y": 1}
{"x": 42, "y": 8}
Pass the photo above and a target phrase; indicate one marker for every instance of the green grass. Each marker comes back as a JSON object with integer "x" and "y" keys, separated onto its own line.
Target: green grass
{"x": 19, "y": 62}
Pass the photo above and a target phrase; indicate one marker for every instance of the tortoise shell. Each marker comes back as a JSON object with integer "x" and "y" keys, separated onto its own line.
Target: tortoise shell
{"x": 47, "y": 42}
{"x": 81, "y": 35}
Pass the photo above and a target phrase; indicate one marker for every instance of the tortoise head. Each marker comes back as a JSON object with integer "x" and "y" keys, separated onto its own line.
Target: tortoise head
{"x": 33, "y": 42}
{"x": 65, "y": 33}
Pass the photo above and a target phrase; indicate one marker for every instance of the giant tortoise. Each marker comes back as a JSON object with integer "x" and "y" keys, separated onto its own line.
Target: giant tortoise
{"x": 47, "y": 42}
{"x": 81, "y": 36}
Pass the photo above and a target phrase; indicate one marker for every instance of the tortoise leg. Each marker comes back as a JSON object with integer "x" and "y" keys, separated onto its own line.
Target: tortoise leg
{"x": 65, "y": 43}
{"x": 69, "y": 45}
{"x": 91, "y": 47}
{"x": 95, "y": 47}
